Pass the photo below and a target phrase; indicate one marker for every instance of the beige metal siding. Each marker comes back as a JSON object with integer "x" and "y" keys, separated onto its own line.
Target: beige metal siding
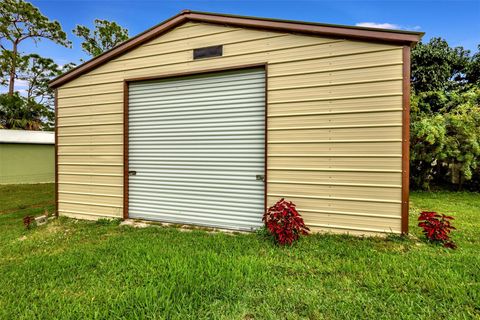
{"x": 334, "y": 123}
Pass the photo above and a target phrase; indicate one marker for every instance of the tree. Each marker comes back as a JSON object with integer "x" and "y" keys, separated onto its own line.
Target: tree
{"x": 473, "y": 70}
{"x": 37, "y": 72}
{"x": 16, "y": 112}
{"x": 19, "y": 21}
{"x": 33, "y": 109}
{"x": 107, "y": 34}
{"x": 445, "y": 116}
{"x": 437, "y": 66}
{"x": 7, "y": 58}
{"x": 445, "y": 146}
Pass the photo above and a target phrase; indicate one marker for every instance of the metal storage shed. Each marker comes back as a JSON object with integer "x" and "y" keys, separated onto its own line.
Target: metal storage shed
{"x": 209, "y": 118}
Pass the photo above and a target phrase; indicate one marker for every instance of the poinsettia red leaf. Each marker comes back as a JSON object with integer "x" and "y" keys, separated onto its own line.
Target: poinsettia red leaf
{"x": 437, "y": 227}
{"x": 284, "y": 222}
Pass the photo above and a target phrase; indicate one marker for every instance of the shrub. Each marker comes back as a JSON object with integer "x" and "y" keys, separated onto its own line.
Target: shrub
{"x": 284, "y": 222}
{"x": 445, "y": 144}
{"x": 437, "y": 228}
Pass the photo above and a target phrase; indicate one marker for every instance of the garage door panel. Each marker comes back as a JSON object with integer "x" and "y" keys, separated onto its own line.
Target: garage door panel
{"x": 174, "y": 199}
{"x": 246, "y": 191}
{"x": 205, "y": 104}
{"x": 203, "y": 184}
{"x": 198, "y": 219}
{"x": 220, "y": 81}
{"x": 197, "y": 145}
{"x": 182, "y": 123}
{"x": 208, "y": 168}
{"x": 197, "y": 96}
{"x": 209, "y": 112}
{"x": 220, "y": 129}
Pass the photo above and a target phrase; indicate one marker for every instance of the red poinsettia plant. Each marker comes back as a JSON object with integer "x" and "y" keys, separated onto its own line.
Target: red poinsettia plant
{"x": 284, "y": 222}
{"x": 437, "y": 228}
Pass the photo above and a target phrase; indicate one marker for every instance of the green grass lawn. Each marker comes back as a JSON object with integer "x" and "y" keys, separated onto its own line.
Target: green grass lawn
{"x": 23, "y": 196}
{"x": 77, "y": 270}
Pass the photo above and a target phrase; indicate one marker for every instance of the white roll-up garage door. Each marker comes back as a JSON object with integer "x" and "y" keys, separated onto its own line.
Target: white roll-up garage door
{"x": 197, "y": 149}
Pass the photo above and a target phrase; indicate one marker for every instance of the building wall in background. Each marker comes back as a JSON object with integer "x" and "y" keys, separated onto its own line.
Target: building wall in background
{"x": 27, "y": 163}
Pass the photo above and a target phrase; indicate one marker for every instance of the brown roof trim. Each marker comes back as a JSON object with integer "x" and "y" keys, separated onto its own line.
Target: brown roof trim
{"x": 349, "y": 32}
{"x": 397, "y": 36}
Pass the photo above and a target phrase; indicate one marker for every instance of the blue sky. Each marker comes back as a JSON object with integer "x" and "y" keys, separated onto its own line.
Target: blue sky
{"x": 457, "y": 21}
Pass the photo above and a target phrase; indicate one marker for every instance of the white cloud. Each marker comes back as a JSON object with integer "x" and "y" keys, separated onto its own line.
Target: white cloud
{"x": 21, "y": 83}
{"x": 20, "y": 86}
{"x": 378, "y": 25}
{"x": 386, "y": 25}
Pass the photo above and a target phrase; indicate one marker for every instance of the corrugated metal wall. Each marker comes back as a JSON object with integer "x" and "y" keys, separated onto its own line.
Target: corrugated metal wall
{"x": 27, "y": 163}
{"x": 196, "y": 145}
{"x": 334, "y": 123}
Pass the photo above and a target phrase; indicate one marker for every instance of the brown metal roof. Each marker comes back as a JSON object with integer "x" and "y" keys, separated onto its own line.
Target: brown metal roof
{"x": 360, "y": 33}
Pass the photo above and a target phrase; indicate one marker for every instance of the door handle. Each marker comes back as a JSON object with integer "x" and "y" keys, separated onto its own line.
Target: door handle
{"x": 132, "y": 173}
{"x": 260, "y": 177}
